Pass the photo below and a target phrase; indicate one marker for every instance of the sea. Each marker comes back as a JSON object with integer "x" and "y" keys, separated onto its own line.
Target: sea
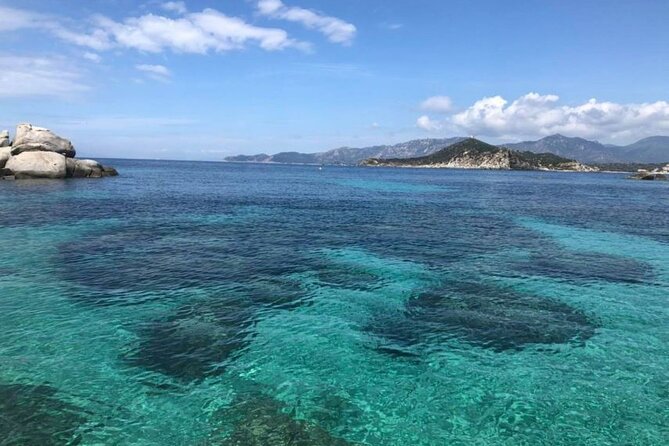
{"x": 195, "y": 303}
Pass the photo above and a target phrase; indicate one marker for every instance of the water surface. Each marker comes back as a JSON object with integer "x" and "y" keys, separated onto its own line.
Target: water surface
{"x": 207, "y": 303}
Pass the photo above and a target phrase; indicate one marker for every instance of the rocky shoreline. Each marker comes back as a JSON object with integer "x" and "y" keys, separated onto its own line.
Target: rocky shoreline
{"x": 37, "y": 152}
{"x": 660, "y": 174}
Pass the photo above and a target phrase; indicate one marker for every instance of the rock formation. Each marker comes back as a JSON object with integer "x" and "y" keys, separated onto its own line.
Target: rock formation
{"x": 39, "y": 153}
{"x": 4, "y": 138}
{"x": 661, "y": 174}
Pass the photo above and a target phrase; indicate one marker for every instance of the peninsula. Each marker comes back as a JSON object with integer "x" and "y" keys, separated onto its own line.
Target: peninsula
{"x": 472, "y": 153}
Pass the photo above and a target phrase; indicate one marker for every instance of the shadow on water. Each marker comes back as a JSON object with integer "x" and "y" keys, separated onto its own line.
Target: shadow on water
{"x": 482, "y": 315}
{"x": 34, "y": 415}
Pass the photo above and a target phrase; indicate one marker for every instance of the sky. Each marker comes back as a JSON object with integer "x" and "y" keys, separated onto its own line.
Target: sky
{"x": 205, "y": 79}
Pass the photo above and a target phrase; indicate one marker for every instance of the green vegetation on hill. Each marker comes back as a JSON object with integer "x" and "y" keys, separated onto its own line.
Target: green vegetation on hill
{"x": 472, "y": 153}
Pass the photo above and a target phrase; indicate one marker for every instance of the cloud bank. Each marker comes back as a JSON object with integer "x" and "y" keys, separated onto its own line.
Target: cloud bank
{"x": 534, "y": 115}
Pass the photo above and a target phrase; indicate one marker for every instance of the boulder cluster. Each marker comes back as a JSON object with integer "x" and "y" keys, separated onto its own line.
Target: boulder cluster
{"x": 37, "y": 152}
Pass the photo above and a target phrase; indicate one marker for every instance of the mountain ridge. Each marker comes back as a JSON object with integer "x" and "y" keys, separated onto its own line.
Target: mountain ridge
{"x": 654, "y": 149}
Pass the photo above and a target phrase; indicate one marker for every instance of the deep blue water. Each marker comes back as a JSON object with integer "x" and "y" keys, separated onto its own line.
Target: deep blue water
{"x": 206, "y": 303}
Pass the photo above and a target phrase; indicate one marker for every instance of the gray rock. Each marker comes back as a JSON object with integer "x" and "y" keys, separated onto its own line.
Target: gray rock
{"x": 37, "y": 139}
{"x": 4, "y": 138}
{"x": 5, "y": 154}
{"x": 83, "y": 168}
{"x": 38, "y": 165}
{"x": 108, "y": 171}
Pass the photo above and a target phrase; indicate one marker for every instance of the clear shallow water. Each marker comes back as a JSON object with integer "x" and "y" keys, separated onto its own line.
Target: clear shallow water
{"x": 206, "y": 304}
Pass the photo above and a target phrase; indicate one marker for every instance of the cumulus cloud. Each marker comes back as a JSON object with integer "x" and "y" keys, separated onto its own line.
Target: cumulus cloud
{"x": 39, "y": 76}
{"x": 336, "y": 30}
{"x": 428, "y": 124}
{"x": 536, "y": 115}
{"x": 156, "y": 72}
{"x": 177, "y": 7}
{"x": 437, "y": 104}
{"x": 202, "y": 32}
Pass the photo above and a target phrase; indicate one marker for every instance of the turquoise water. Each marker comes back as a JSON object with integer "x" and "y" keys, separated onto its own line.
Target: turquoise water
{"x": 216, "y": 304}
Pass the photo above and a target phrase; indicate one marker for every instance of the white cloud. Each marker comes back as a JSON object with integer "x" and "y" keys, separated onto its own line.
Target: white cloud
{"x": 203, "y": 32}
{"x": 93, "y": 57}
{"x": 14, "y": 19}
{"x": 177, "y": 7}
{"x": 428, "y": 124}
{"x": 200, "y": 33}
{"x": 156, "y": 72}
{"x": 535, "y": 115}
{"x": 336, "y": 30}
{"x": 39, "y": 76}
{"x": 437, "y": 104}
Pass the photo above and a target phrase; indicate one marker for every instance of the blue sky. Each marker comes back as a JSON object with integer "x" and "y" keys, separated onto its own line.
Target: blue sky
{"x": 207, "y": 79}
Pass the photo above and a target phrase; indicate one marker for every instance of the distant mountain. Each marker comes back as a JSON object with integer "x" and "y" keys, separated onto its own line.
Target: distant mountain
{"x": 352, "y": 156}
{"x": 579, "y": 149}
{"x": 649, "y": 150}
{"x": 654, "y": 149}
{"x": 472, "y": 153}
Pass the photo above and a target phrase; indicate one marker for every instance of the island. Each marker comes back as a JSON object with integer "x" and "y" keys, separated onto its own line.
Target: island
{"x": 37, "y": 152}
{"x": 472, "y": 153}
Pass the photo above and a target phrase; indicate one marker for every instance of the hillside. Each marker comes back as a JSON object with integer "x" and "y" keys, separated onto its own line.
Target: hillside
{"x": 579, "y": 149}
{"x": 472, "y": 153}
{"x": 352, "y": 156}
{"x": 654, "y": 149}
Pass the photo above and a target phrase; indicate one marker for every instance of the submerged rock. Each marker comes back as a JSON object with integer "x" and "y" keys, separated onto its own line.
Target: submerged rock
{"x": 486, "y": 316}
{"x": 261, "y": 421}
{"x": 35, "y": 415}
{"x": 37, "y": 165}
{"x": 196, "y": 341}
{"x": 38, "y": 139}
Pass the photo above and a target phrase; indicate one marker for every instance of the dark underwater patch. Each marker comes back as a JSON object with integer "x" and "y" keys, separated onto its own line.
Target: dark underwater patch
{"x": 486, "y": 316}
{"x": 585, "y": 267}
{"x": 33, "y": 415}
{"x": 119, "y": 267}
{"x": 198, "y": 339}
{"x": 195, "y": 341}
{"x": 258, "y": 420}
